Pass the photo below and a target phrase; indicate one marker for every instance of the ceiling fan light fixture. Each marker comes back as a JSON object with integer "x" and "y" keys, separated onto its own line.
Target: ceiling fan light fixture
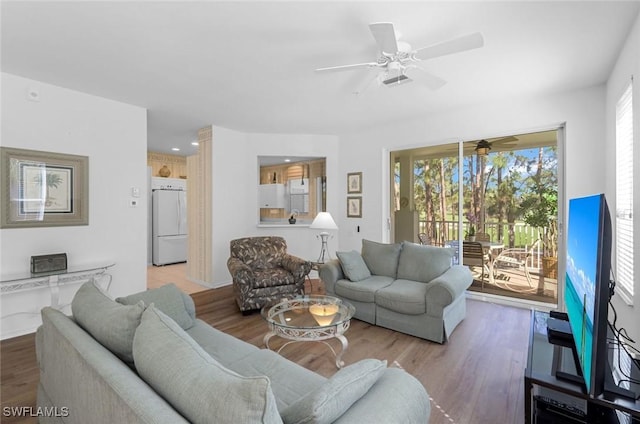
{"x": 400, "y": 79}
{"x": 395, "y": 56}
{"x": 482, "y": 148}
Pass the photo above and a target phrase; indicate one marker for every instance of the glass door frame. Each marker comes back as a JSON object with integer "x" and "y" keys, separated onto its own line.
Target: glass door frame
{"x": 387, "y": 199}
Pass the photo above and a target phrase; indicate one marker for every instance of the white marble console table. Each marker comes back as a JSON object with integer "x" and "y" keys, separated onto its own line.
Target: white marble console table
{"x": 52, "y": 281}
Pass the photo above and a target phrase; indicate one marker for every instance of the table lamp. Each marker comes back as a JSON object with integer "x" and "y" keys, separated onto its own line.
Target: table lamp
{"x": 324, "y": 222}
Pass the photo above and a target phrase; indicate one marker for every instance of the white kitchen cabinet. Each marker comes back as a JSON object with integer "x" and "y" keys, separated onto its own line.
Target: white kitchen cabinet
{"x": 271, "y": 196}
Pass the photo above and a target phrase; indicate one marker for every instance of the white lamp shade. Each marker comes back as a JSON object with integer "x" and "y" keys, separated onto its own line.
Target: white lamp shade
{"x": 323, "y": 221}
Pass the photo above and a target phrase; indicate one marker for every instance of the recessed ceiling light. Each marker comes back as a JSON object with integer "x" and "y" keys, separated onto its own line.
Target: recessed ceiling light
{"x": 287, "y": 160}
{"x": 175, "y": 149}
{"x": 195, "y": 143}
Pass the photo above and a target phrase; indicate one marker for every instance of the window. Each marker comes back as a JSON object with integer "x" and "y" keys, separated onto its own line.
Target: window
{"x": 624, "y": 193}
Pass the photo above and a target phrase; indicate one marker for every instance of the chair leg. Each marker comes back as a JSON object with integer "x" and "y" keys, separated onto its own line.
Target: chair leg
{"x": 526, "y": 273}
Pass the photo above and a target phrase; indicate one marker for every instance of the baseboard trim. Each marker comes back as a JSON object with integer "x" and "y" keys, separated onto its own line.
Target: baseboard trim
{"x": 509, "y": 301}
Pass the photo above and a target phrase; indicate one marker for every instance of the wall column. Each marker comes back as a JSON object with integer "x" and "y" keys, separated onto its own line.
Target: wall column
{"x": 199, "y": 183}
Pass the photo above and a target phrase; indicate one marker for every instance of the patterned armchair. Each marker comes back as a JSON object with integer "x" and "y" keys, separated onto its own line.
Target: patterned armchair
{"x": 263, "y": 271}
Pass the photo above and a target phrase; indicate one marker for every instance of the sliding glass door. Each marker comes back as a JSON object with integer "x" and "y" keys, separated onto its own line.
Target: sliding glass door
{"x": 496, "y": 199}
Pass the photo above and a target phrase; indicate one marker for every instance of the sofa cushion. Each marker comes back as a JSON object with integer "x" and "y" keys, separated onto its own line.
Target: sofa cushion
{"x": 274, "y": 277}
{"x": 222, "y": 347}
{"x": 328, "y": 402}
{"x": 423, "y": 263}
{"x": 113, "y": 325}
{"x": 381, "y": 258}
{"x": 404, "y": 296}
{"x": 170, "y": 300}
{"x": 289, "y": 381}
{"x": 197, "y": 386}
{"x": 353, "y": 265}
{"x": 362, "y": 291}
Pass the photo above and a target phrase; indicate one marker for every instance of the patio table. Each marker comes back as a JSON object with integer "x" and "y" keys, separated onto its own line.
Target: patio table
{"x": 490, "y": 247}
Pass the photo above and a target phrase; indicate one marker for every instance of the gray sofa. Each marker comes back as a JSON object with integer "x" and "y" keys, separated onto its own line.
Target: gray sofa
{"x": 147, "y": 359}
{"x": 405, "y": 286}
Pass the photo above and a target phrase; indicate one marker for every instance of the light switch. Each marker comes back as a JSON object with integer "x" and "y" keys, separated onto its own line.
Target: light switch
{"x": 135, "y": 191}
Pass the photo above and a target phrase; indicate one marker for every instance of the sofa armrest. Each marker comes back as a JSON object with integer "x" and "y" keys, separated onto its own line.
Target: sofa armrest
{"x": 397, "y": 397}
{"x": 240, "y": 272}
{"x": 296, "y": 266}
{"x": 81, "y": 375}
{"x": 330, "y": 273}
{"x": 444, "y": 289}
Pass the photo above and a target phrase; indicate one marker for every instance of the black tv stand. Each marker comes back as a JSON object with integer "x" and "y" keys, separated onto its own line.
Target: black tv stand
{"x": 559, "y": 333}
{"x": 612, "y": 390}
{"x": 552, "y": 398}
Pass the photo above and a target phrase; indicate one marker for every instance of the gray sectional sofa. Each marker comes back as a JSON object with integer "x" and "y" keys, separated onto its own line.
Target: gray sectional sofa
{"x": 147, "y": 359}
{"x": 405, "y": 286}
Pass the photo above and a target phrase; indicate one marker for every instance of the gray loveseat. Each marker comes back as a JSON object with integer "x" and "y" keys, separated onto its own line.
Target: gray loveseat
{"x": 405, "y": 286}
{"x": 147, "y": 359}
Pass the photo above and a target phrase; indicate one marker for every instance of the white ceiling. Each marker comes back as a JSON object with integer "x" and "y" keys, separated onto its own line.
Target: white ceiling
{"x": 250, "y": 66}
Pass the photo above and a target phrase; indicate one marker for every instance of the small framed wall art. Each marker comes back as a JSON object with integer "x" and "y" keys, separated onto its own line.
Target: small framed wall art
{"x": 43, "y": 189}
{"x": 354, "y": 182}
{"x": 354, "y": 207}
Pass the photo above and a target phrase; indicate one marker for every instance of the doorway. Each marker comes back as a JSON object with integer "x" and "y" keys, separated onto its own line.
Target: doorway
{"x": 501, "y": 193}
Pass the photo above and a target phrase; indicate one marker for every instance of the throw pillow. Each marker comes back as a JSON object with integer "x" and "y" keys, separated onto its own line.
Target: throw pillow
{"x": 170, "y": 300}
{"x": 423, "y": 263}
{"x": 353, "y": 265}
{"x": 328, "y": 402}
{"x": 113, "y": 325}
{"x": 381, "y": 258}
{"x": 194, "y": 383}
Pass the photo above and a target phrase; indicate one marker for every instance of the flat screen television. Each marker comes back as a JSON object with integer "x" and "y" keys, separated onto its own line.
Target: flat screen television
{"x": 587, "y": 277}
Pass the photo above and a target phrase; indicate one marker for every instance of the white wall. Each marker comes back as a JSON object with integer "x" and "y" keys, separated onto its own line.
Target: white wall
{"x": 235, "y": 191}
{"x": 628, "y": 64}
{"x": 582, "y": 112}
{"x": 114, "y": 137}
{"x": 589, "y": 118}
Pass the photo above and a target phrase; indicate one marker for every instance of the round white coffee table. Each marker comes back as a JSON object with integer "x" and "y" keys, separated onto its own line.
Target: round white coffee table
{"x": 310, "y": 319}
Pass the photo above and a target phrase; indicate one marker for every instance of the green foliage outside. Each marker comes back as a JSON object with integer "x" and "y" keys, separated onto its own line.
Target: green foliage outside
{"x": 511, "y": 195}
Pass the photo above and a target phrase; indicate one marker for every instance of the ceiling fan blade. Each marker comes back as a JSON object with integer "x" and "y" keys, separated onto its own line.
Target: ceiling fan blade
{"x": 365, "y": 84}
{"x": 503, "y": 140}
{"x": 385, "y": 37}
{"x": 348, "y": 67}
{"x": 460, "y": 44}
{"x": 426, "y": 78}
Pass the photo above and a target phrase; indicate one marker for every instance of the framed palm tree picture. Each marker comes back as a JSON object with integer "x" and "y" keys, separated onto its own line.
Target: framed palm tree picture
{"x": 43, "y": 189}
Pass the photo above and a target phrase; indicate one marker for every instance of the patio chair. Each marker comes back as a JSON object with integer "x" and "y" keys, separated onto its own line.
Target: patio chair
{"x": 424, "y": 238}
{"x": 516, "y": 257}
{"x": 473, "y": 254}
{"x": 482, "y": 237}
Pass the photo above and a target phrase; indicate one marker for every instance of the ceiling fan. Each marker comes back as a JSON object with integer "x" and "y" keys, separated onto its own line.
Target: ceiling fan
{"x": 483, "y": 146}
{"x": 398, "y": 62}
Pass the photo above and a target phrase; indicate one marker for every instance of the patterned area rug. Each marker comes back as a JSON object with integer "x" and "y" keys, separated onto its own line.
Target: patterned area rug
{"x": 435, "y": 406}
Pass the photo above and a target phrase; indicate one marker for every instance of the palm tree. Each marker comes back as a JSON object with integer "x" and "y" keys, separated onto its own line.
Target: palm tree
{"x": 52, "y": 180}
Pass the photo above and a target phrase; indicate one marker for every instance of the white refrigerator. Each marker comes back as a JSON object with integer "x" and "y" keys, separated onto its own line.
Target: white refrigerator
{"x": 169, "y": 226}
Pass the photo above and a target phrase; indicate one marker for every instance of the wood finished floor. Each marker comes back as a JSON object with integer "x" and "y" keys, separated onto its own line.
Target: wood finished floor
{"x": 477, "y": 377}
{"x": 160, "y": 275}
